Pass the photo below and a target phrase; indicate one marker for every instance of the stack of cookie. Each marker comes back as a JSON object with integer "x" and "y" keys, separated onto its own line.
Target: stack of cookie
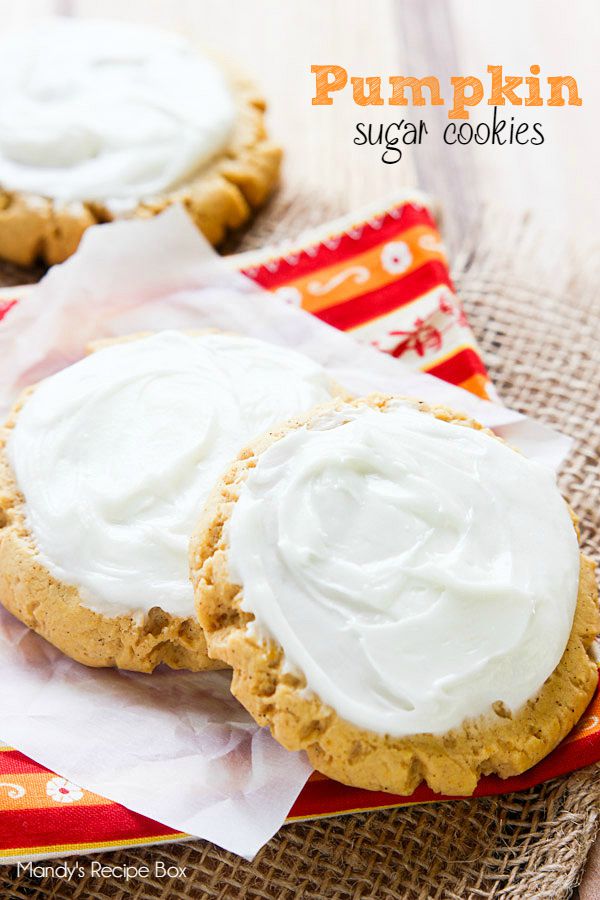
{"x": 397, "y": 591}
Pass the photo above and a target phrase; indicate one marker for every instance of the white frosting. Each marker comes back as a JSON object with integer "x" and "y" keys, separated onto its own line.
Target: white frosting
{"x": 106, "y": 111}
{"x": 116, "y": 455}
{"x": 414, "y": 571}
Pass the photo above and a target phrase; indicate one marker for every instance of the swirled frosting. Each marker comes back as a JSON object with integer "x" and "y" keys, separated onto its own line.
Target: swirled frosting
{"x": 106, "y": 111}
{"x": 415, "y": 571}
{"x": 116, "y": 454}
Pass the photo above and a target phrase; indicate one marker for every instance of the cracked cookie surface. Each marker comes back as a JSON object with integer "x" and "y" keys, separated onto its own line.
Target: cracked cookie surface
{"x": 500, "y": 742}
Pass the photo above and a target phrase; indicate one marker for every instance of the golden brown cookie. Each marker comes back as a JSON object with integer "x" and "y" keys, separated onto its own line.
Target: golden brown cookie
{"x": 55, "y": 609}
{"x": 276, "y": 694}
{"x": 223, "y": 196}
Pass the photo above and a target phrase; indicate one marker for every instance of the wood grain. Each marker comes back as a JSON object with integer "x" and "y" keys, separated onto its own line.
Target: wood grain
{"x": 325, "y": 173}
{"x": 278, "y": 42}
{"x": 324, "y": 170}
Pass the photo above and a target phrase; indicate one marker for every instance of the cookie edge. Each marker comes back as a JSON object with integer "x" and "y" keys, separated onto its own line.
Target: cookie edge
{"x": 220, "y": 199}
{"x": 451, "y": 763}
{"x": 54, "y": 609}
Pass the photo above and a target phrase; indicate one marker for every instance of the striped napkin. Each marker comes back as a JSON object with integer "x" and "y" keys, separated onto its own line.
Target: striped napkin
{"x": 384, "y": 278}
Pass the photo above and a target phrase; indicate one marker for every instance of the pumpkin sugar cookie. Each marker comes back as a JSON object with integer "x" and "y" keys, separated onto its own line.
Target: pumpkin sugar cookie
{"x": 103, "y": 120}
{"x": 400, "y": 594}
{"x": 102, "y": 468}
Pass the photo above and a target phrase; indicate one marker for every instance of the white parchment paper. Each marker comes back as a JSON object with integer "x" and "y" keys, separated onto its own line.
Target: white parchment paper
{"x": 175, "y": 746}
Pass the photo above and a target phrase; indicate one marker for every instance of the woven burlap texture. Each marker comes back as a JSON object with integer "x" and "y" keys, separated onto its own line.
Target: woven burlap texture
{"x": 538, "y": 324}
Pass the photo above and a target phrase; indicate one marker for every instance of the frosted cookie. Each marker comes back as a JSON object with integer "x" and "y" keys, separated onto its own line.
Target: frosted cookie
{"x": 102, "y": 120}
{"x": 102, "y": 469}
{"x": 400, "y": 594}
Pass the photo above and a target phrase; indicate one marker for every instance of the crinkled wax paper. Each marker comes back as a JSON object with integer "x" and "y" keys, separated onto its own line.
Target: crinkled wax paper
{"x": 175, "y": 746}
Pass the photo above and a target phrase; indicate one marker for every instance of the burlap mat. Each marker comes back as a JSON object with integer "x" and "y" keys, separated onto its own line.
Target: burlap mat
{"x": 537, "y": 320}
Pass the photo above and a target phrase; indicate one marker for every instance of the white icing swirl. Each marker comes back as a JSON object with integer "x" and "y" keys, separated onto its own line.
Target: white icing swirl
{"x": 116, "y": 455}
{"x": 106, "y": 111}
{"x": 414, "y": 571}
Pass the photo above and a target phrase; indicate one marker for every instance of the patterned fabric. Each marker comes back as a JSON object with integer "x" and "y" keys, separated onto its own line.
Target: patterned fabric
{"x": 41, "y": 813}
{"x": 386, "y": 281}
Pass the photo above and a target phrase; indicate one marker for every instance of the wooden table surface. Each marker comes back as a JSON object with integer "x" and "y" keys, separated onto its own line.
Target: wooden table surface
{"x": 278, "y": 40}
